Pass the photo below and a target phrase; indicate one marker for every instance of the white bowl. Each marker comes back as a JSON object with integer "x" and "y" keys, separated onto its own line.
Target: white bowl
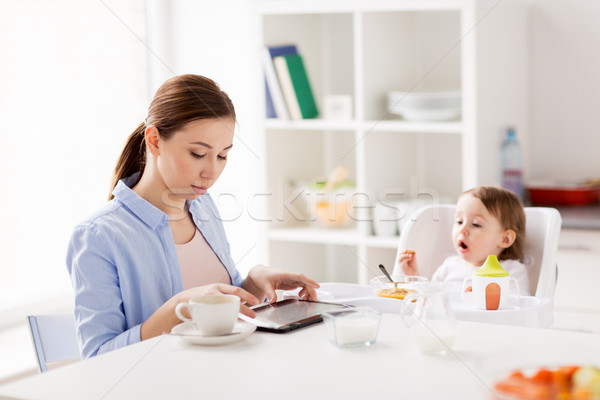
{"x": 425, "y": 106}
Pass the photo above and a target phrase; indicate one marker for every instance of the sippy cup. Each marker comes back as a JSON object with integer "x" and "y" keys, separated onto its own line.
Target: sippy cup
{"x": 491, "y": 285}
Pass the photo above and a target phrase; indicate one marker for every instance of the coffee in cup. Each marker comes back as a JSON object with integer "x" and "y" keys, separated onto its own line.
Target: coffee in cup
{"x": 213, "y": 315}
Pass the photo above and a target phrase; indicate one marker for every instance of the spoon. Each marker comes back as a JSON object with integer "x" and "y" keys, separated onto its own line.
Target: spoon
{"x": 382, "y": 268}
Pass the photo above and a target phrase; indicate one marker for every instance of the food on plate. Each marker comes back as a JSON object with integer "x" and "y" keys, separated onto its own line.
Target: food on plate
{"x": 588, "y": 378}
{"x": 569, "y": 382}
{"x": 395, "y": 293}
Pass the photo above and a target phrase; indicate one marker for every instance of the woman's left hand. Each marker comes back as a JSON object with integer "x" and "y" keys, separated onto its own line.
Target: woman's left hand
{"x": 262, "y": 281}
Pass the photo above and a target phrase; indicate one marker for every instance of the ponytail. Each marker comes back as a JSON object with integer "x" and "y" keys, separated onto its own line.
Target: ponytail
{"x": 132, "y": 158}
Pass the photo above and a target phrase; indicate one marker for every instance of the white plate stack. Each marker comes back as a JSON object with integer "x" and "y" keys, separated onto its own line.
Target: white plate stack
{"x": 425, "y": 106}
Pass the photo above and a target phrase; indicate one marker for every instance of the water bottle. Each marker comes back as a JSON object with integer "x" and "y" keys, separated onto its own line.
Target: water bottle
{"x": 512, "y": 178}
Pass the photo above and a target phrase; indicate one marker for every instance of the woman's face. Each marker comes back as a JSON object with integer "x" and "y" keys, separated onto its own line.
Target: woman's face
{"x": 476, "y": 233}
{"x": 193, "y": 158}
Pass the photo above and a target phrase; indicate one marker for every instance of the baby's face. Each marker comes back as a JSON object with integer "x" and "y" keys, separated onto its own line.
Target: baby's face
{"x": 476, "y": 233}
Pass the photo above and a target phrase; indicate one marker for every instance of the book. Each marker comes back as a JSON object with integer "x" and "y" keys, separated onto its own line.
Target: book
{"x": 273, "y": 90}
{"x": 269, "y": 106}
{"x": 295, "y": 86}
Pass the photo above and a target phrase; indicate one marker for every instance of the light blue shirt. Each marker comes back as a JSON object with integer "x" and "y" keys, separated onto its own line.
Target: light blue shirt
{"x": 123, "y": 266}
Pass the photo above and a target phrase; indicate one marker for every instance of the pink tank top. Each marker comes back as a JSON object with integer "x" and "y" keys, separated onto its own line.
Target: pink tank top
{"x": 199, "y": 264}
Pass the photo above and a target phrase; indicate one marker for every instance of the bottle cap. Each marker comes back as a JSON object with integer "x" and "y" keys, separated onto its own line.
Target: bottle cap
{"x": 491, "y": 267}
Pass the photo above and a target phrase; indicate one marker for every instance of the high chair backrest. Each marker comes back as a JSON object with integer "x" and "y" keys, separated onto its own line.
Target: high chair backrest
{"x": 429, "y": 232}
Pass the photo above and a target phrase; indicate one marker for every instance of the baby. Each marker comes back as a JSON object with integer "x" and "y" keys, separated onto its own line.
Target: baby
{"x": 488, "y": 221}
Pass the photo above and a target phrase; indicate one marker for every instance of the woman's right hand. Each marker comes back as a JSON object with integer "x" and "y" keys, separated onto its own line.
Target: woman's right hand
{"x": 408, "y": 262}
{"x": 222, "y": 288}
{"x": 164, "y": 319}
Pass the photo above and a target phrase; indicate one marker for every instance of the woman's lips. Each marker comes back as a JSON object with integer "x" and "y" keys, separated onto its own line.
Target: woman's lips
{"x": 199, "y": 189}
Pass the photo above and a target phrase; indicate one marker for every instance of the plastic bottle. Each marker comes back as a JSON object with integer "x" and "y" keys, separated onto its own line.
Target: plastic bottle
{"x": 512, "y": 174}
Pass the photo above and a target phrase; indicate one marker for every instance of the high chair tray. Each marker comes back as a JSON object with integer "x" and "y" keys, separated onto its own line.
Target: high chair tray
{"x": 528, "y": 311}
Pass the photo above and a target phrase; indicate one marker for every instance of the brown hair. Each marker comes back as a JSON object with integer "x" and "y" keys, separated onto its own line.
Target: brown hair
{"x": 506, "y": 206}
{"x": 179, "y": 101}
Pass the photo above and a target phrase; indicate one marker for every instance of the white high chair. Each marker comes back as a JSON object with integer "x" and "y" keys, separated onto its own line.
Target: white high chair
{"x": 428, "y": 232}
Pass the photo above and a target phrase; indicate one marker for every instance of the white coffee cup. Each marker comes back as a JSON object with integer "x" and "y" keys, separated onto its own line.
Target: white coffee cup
{"x": 491, "y": 292}
{"x": 213, "y": 315}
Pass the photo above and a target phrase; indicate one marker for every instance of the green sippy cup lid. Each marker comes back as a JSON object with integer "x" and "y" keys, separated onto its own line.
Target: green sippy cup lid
{"x": 491, "y": 267}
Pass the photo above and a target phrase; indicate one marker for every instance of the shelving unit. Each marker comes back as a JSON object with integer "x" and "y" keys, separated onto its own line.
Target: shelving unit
{"x": 365, "y": 49}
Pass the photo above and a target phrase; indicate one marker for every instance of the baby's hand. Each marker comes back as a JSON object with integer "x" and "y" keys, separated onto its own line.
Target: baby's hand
{"x": 408, "y": 261}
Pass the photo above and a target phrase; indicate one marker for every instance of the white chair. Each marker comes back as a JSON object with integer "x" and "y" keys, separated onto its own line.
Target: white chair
{"x": 54, "y": 339}
{"x": 428, "y": 232}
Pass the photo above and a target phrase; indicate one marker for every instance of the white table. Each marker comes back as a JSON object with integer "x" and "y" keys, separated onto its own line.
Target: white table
{"x": 302, "y": 364}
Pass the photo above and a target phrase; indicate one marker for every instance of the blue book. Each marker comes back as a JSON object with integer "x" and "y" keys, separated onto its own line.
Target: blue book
{"x": 273, "y": 88}
{"x": 285, "y": 50}
{"x": 271, "y": 113}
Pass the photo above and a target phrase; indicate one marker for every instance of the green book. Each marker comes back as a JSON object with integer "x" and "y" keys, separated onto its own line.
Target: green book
{"x": 296, "y": 86}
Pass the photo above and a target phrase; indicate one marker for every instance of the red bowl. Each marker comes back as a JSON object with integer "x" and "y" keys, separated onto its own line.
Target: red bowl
{"x": 563, "y": 196}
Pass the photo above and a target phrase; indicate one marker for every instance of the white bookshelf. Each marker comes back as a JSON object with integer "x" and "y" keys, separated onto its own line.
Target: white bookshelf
{"x": 364, "y": 49}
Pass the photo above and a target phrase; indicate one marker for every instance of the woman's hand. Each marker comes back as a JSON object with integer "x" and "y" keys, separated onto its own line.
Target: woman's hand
{"x": 408, "y": 261}
{"x": 164, "y": 319}
{"x": 221, "y": 288}
{"x": 262, "y": 281}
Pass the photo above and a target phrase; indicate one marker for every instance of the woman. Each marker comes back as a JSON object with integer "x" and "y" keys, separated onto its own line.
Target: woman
{"x": 159, "y": 240}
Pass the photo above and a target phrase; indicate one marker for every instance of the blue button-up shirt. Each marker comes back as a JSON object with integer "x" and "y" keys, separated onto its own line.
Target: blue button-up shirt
{"x": 123, "y": 266}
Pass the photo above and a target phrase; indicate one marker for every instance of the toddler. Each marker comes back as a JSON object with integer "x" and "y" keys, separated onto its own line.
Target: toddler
{"x": 488, "y": 221}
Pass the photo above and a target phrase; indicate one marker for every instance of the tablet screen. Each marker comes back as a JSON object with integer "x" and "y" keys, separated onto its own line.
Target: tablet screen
{"x": 291, "y": 314}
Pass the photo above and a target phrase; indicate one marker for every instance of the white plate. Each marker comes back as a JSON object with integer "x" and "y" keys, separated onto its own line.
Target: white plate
{"x": 322, "y": 295}
{"x": 240, "y": 331}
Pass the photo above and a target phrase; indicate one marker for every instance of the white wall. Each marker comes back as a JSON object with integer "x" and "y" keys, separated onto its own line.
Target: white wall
{"x": 218, "y": 40}
{"x": 565, "y": 88}
{"x": 74, "y": 85}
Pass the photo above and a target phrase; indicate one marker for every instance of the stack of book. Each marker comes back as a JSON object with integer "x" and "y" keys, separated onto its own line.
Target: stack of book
{"x": 288, "y": 91}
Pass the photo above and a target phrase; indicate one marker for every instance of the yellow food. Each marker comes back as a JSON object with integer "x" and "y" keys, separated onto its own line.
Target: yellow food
{"x": 395, "y": 293}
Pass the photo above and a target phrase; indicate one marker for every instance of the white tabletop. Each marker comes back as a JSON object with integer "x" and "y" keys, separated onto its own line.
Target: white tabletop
{"x": 303, "y": 364}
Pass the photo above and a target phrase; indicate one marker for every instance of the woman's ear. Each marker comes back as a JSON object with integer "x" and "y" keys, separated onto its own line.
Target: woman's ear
{"x": 508, "y": 238}
{"x": 152, "y": 139}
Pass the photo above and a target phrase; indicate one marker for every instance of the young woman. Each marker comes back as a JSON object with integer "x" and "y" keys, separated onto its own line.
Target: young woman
{"x": 159, "y": 240}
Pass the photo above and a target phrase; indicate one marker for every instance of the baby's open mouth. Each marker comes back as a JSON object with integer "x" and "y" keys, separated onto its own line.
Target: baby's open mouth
{"x": 463, "y": 245}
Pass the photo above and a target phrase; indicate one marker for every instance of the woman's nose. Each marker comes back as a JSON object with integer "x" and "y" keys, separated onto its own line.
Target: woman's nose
{"x": 209, "y": 169}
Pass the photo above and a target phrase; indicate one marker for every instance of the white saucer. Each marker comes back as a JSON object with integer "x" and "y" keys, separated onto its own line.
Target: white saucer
{"x": 240, "y": 331}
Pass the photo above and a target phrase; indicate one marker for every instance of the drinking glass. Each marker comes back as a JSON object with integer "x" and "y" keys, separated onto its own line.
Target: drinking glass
{"x": 430, "y": 319}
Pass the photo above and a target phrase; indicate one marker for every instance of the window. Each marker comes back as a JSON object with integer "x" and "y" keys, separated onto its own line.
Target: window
{"x": 74, "y": 84}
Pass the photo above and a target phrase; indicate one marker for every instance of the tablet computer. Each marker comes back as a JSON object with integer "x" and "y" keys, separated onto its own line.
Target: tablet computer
{"x": 284, "y": 316}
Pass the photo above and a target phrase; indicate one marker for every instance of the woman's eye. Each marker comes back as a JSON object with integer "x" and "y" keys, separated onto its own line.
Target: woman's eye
{"x": 198, "y": 155}
{"x": 222, "y": 157}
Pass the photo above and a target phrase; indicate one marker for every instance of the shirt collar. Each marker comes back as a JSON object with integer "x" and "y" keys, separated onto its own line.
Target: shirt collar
{"x": 199, "y": 213}
{"x": 140, "y": 207}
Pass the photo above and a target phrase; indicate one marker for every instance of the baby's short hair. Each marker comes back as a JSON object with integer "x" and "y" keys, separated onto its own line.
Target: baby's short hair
{"x": 506, "y": 206}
